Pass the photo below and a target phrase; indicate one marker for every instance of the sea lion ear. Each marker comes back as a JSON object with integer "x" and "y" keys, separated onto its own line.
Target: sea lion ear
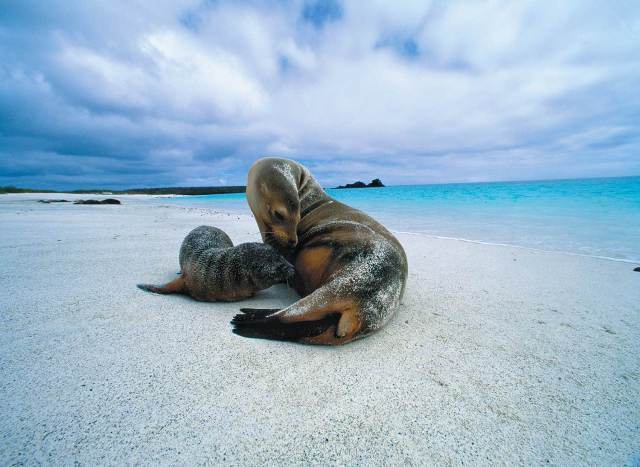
{"x": 264, "y": 189}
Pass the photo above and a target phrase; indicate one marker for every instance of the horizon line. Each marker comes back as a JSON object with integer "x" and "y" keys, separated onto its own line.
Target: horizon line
{"x": 70, "y": 190}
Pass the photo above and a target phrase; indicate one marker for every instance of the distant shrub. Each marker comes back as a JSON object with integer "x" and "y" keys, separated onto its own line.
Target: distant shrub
{"x": 13, "y": 189}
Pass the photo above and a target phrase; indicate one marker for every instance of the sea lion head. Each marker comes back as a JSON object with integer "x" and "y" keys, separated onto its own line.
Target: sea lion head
{"x": 265, "y": 265}
{"x": 272, "y": 193}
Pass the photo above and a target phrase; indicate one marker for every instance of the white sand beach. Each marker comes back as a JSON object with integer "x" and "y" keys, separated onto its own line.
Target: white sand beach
{"x": 497, "y": 355}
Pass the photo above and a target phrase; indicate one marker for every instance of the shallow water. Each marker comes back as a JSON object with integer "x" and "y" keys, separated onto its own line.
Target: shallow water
{"x": 595, "y": 217}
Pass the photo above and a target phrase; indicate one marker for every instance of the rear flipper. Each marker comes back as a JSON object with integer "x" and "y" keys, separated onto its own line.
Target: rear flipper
{"x": 254, "y": 313}
{"x": 252, "y": 323}
{"x": 319, "y": 318}
{"x": 175, "y": 286}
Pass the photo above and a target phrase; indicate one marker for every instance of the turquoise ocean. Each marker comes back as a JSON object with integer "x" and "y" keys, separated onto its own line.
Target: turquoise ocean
{"x": 593, "y": 217}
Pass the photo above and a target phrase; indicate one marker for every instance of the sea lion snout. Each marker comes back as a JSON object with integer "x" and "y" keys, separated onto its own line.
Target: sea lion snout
{"x": 283, "y": 242}
{"x": 287, "y": 238}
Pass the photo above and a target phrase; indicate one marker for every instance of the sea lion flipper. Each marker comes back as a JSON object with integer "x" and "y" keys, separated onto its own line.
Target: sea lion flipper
{"x": 275, "y": 329}
{"x": 259, "y": 311}
{"x": 175, "y": 286}
{"x": 254, "y": 313}
{"x": 318, "y": 318}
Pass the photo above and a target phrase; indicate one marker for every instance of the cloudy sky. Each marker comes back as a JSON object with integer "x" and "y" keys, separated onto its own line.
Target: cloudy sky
{"x": 185, "y": 93}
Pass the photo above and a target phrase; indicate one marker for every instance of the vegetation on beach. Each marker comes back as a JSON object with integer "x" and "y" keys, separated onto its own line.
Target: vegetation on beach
{"x": 13, "y": 189}
{"x": 200, "y": 190}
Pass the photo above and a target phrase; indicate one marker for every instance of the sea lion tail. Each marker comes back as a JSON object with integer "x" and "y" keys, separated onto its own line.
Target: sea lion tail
{"x": 175, "y": 286}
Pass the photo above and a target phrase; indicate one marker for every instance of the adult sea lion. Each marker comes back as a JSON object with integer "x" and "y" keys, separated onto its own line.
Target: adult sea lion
{"x": 212, "y": 269}
{"x": 350, "y": 270}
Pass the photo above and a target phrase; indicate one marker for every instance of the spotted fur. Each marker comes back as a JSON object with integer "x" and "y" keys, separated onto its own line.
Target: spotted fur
{"x": 212, "y": 269}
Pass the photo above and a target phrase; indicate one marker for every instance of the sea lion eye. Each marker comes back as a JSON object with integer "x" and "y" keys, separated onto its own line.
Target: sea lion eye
{"x": 278, "y": 216}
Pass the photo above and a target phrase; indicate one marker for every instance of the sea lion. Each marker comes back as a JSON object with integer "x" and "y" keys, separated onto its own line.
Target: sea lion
{"x": 350, "y": 270}
{"x": 212, "y": 269}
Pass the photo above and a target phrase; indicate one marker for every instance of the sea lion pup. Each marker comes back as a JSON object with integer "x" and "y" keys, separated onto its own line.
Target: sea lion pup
{"x": 350, "y": 270}
{"x": 212, "y": 269}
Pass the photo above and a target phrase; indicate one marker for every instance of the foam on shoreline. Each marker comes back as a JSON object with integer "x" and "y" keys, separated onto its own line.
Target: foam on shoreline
{"x": 479, "y": 242}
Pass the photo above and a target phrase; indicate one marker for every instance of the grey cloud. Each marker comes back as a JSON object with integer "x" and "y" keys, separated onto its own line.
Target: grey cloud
{"x": 173, "y": 93}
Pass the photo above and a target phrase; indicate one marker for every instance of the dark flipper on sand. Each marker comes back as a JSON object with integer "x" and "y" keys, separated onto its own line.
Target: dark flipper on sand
{"x": 258, "y": 323}
{"x": 249, "y": 314}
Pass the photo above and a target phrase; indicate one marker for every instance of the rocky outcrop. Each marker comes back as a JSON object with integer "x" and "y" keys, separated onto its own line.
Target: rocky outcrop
{"x": 95, "y": 201}
{"x": 375, "y": 183}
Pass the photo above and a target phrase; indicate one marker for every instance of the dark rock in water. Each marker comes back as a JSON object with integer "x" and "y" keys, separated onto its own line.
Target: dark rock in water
{"x": 87, "y": 201}
{"x": 47, "y": 201}
{"x": 376, "y": 183}
{"x": 95, "y": 201}
{"x": 356, "y": 185}
{"x": 637, "y": 269}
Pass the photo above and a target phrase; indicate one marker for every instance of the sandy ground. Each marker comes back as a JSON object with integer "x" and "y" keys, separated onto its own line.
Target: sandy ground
{"x": 497, "y": 355}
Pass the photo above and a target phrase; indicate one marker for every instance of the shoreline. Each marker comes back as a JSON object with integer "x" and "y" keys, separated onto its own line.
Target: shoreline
{"x": 149, "y": 199}
{"x": 509, "y": 245}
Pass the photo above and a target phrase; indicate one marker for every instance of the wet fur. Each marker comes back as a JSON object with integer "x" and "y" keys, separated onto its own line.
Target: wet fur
{"x": 350, "y": 270}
